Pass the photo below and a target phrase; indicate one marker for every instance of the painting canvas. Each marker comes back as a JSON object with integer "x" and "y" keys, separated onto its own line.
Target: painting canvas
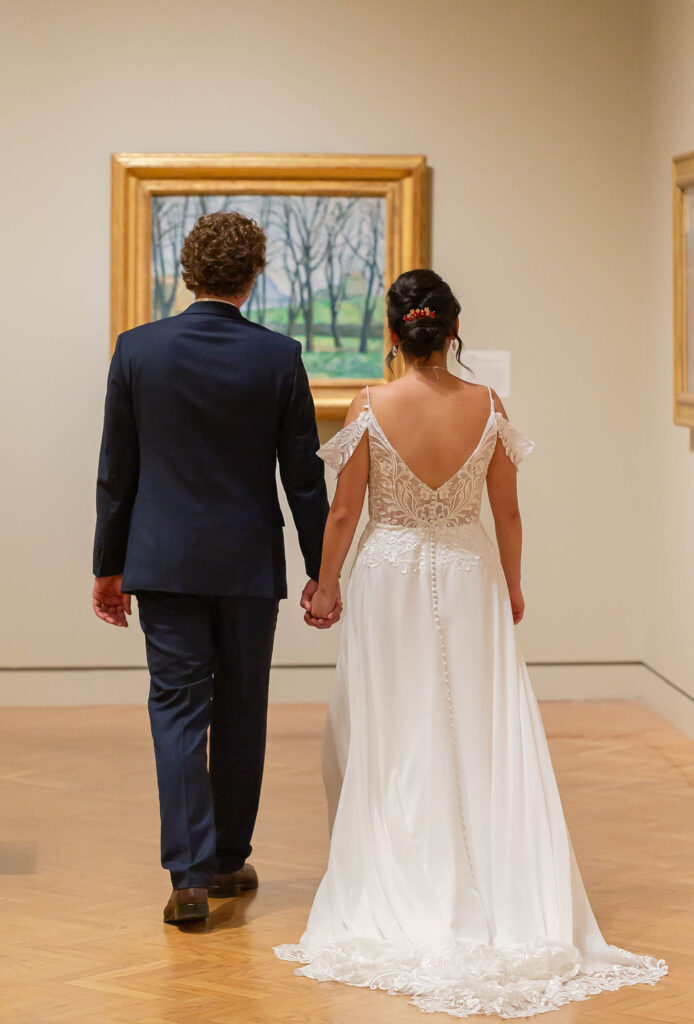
{"x": 340, "y": 229}
{"x": 688, "y": 228}
{"x": 683, "y": 294}
{"x": 324, "y": 282}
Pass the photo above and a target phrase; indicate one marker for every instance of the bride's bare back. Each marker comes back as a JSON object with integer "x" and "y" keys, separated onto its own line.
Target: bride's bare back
{"x": 434, "y": 424}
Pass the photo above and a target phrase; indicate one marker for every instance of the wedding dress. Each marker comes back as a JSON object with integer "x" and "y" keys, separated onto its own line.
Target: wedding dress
{"x": 451, "y": 875}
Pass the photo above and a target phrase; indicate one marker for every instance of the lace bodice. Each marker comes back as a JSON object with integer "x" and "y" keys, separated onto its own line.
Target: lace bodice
{"x": 412, "y": 525}
{"x": 399, "y": 498}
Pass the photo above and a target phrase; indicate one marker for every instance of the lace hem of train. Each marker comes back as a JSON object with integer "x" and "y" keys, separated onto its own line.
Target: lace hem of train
{"x": 464, "y": 980}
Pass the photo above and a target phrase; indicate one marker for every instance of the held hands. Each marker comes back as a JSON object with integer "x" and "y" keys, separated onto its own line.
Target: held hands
{"x": 108, "y": 601}
{"x": 322, "y": 609}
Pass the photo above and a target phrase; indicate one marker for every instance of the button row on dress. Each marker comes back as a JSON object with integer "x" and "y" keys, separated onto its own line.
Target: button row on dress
{"x": 432, "y": 509}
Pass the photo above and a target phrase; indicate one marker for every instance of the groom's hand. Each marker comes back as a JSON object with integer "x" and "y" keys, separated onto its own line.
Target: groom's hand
{"x": 109, "y": 602}
{"x": 306, "y": 600}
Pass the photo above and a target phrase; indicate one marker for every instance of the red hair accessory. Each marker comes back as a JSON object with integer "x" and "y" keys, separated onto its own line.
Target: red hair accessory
{"x": 417, "y": 314}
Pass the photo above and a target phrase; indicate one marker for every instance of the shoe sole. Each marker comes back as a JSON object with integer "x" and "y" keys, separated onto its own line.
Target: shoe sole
{"x": 223, "y": 892}
{"x": 188, "y": 912}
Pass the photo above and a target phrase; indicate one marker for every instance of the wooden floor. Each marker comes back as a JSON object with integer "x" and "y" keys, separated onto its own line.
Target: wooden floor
{"x": 81, "y": 890}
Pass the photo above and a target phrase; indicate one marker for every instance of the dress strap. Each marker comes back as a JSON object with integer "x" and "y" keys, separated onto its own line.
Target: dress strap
{"x": 368, "y": 398}
{"x": 491, "y": 400}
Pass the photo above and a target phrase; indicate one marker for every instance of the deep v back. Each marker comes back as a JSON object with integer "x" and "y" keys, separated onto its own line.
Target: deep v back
{"x": 399, "y": 498}
{"x": 384, "y": 437}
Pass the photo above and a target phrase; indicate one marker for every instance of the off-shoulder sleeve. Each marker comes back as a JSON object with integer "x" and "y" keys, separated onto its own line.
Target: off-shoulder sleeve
{"x": 337, "y": 452}
{"x": 516, "y": 445}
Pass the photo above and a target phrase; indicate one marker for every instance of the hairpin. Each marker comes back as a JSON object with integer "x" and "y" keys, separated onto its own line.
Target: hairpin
{"x": 417, "y": 314}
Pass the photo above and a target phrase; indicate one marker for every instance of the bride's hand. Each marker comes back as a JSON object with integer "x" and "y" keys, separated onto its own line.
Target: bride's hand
{"x": 517, "y": 604}
{"x": 325, "y": 605}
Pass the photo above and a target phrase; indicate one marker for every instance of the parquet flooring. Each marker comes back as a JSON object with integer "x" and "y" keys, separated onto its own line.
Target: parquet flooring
{"x": 81, "y": 891}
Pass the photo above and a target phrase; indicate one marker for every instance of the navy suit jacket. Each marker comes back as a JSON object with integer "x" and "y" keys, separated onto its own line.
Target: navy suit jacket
{"x": 200, "y": 407}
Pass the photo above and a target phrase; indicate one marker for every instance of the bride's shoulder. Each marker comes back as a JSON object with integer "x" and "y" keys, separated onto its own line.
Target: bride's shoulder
{"x": 358, "y": 405}
{"x": 362, "y": 399}
{"x": 484, "y": 393}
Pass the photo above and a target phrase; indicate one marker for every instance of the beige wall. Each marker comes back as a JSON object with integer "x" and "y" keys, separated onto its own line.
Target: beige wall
{"x": 666, "y": 560}
{"x": 530, "y": 114}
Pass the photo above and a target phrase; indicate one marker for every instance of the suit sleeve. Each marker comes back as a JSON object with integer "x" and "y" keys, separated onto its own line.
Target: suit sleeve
{"x": 301, "y": 471}
{"x": 119, "y": 468}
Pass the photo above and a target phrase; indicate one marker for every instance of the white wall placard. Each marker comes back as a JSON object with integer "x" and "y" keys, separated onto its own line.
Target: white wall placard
{"x": 490, "y": 366}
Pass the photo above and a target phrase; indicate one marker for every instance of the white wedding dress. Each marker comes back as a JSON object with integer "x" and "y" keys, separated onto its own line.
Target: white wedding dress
{"x": 451, "y": 875}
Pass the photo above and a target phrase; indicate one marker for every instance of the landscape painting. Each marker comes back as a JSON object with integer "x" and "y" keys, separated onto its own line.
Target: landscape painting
{"x": 324, "y": 282}
{"x": 340, "y": 228}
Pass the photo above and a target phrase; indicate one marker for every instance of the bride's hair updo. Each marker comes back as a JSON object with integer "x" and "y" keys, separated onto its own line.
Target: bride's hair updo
{"x": 422, "y": 311}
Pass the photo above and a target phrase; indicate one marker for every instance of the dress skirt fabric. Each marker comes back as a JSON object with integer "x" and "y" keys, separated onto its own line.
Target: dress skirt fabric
{"x": 451, "y": 876}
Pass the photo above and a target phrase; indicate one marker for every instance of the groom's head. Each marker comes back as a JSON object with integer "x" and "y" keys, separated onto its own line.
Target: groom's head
{"x": 222, "y": 256}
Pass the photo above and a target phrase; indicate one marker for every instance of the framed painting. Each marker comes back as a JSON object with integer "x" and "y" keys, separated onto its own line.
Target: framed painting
{"x": 683, "y": 222}
{"x": 340, "y": 229}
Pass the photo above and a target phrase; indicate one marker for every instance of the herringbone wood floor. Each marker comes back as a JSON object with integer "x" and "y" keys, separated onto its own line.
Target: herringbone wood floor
{"x": 82, "y": 938}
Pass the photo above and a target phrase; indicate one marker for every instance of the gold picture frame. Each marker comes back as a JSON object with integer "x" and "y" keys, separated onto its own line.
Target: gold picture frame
{"x": 683, "y": 305}
{"x": 137, "y": 178}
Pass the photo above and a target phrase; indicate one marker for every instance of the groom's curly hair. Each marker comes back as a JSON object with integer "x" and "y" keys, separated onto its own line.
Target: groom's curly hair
{"x": 223, "y": 254}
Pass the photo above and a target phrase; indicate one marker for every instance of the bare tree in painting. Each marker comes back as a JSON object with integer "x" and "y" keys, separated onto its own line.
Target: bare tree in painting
{"x": 282, "y": 223}
{"x": 168, "y": 232}
{"x": 338, "y": 261}
{"x": 302, "y": 221}
{"x": 292, "y": 302}
{"x": 369, "y": 251}
{"x": 373, "y": 271}
{"x": 257, "y": 303}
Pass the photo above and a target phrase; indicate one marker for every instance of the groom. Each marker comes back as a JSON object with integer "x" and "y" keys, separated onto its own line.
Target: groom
{"x": 200, "y": 408}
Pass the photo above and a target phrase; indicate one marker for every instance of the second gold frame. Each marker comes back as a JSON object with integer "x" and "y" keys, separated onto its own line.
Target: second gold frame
{"x": 683, "y": 278}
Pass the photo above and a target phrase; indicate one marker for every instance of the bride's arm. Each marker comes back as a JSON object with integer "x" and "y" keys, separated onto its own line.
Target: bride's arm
{"x": 503, "y": 498}
{"x": 342, "y": 519}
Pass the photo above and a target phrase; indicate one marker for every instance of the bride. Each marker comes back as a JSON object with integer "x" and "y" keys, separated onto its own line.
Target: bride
{"x": 451, "y": 875}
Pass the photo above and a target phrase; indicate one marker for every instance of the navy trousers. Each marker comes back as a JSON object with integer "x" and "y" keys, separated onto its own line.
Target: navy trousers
{"x": 209, "y": 663}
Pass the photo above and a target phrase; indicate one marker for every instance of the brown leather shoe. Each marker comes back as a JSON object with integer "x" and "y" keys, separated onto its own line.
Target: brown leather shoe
{"x": 186, "y": 905}
{"x": 233, "y": 883}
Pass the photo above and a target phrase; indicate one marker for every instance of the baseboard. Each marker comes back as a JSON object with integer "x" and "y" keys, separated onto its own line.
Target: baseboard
{"x": 73, "y": 687}
{"x": 668, "y": 700}
{"x": 300, "y": 684}
{"x": 629, "y": 680}
{"x": 587, "y": 680}
{"x": 37, "y": 687}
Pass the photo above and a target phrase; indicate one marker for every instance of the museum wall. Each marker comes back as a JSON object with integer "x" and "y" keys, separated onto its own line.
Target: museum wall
{"x": 666, "y": 558}
{"x": 530, "y": 115}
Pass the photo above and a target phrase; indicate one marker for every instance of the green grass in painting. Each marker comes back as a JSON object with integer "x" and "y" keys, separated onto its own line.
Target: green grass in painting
{"x": 344, "y": 364}
{"x": 325, "y": 361}
{"x": 351, "y": 316}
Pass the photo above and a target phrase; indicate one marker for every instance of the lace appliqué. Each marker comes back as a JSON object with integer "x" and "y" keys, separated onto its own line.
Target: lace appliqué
{"x": 407, "y": 549}
{"x": 398, "y": 498}
{"x": 462, "y": 980}
{"x": 337, "y": 452}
